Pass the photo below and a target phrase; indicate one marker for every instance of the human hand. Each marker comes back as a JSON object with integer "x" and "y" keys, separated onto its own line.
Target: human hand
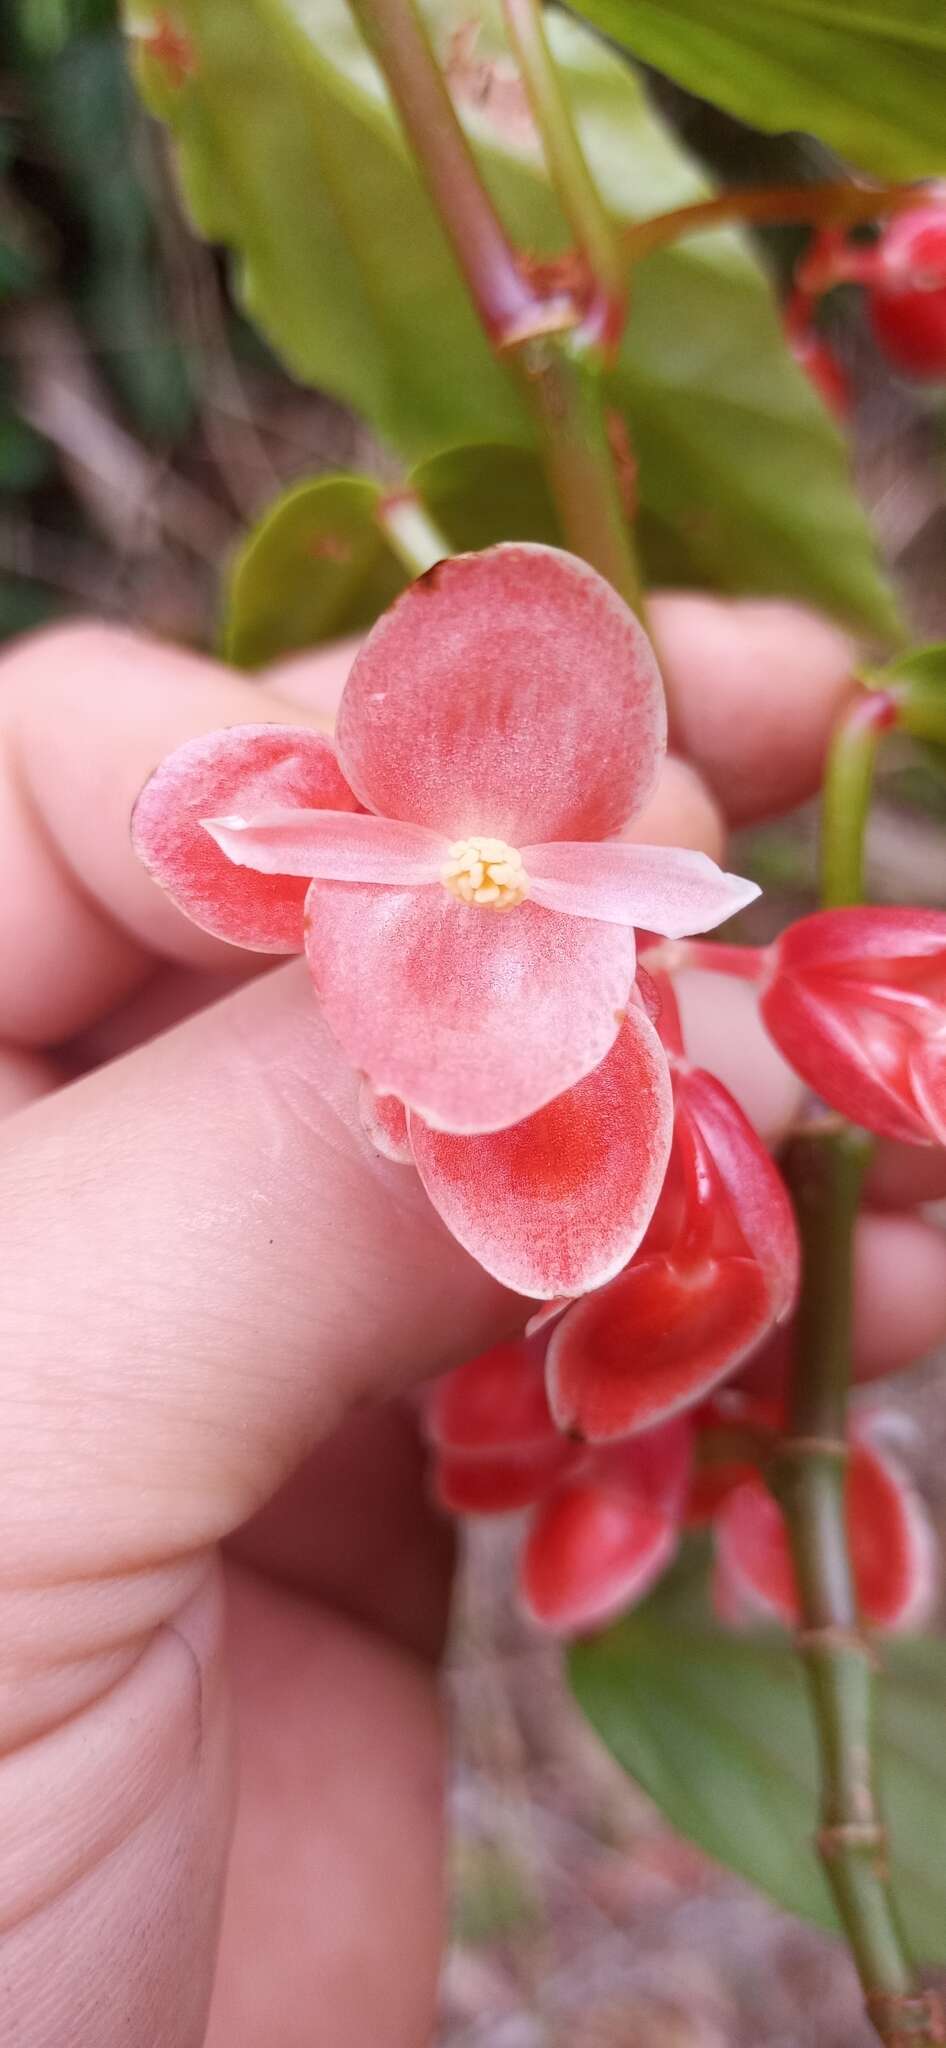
{"x": 213, "y": 1291}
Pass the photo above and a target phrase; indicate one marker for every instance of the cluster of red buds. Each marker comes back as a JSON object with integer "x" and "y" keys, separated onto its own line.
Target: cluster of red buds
{"x": 610, "y": 1422}
{"x": 605, "y": 1520}
{"x": 903, "y": 273}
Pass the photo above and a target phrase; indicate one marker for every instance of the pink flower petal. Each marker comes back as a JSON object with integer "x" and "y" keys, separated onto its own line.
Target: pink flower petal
{"x": 245, "y": 768}
{"x": 558, "y": 1203}
{"x": 510, "y": 693}
{"x": 592, "y": 1551}
{"x": 663, "y": 889}
{"x": 474, "y": 1017}
{"x": 331, "y": 846}
{"x": 384, "y": 1122}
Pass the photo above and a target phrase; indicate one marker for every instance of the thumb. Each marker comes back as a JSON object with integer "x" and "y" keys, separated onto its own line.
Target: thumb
{"x": 206, "y": 1266}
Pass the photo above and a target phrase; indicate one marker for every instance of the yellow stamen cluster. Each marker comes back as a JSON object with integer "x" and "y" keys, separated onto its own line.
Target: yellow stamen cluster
{"x": 486, "y": 871}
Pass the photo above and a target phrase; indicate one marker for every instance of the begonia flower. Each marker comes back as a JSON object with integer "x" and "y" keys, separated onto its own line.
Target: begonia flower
{"x": 470, "y": 914}
{"x": 716, "y": 1272}
{"x": 856, "y": 1000}
{"x": 605, "y": 1523}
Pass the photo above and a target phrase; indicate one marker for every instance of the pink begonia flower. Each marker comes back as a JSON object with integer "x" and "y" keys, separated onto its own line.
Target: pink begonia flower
{"x": 471, "y": 932}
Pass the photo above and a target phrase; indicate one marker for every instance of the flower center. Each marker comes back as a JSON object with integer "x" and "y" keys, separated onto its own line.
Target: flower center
{"x": 486, "y": 871}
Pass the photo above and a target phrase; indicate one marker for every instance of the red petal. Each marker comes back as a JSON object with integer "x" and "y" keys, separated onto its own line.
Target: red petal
{"x": 592, "y": 1551}
{"x": 495, "y": 1401}
{"x": 558, "y": 1203}
{"x": 892, "y": 1547}
{"x": 244, "y": 768}
{"x": 510, "y": 693}
{"x": 928, "y": 1076}
{"x": 474, "y": 1017}
{"x": 753, "y": 1185}
{"x": 719, "y": 1267}
{"x": 652, "y": 1343}
{"x": 502, "y": 1482}
{"x": 664, "y": 889}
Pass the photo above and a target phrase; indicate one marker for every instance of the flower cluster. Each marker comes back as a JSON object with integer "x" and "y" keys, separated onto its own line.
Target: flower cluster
{"x": 605, "y": 1521}
{"x": 455, "y": 870}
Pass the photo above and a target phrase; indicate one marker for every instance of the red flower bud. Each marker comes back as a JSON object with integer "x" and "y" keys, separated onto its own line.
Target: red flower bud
{"x": 717, "y": 1270}
{"x": 893, "y": 1550}
{"x": 908, "y": 297}
{"x": 856, "y": 1000}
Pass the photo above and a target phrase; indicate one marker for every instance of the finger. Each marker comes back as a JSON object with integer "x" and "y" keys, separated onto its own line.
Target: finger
{"x": 753, "y": 691}
{"x": 266, "y": 1271}
{"x": 899, "y": 1293}
{"x": 86, "y": 713}
{"x": 24, "y": 1077}
{"x": 901, "y": 1176}
{"x": 333, "y": 1919}
{"x": 356, "y": 1528}
{"x": 723, "y": 1032}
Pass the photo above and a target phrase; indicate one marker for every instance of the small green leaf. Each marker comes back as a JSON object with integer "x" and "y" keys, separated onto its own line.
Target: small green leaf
{"x": 718, "y": 1730}
{"x": 488, "y": 493}
{"x": 868, "y": 80}
{"x": 316, "y": 566}
{"x": 291, "y": 155}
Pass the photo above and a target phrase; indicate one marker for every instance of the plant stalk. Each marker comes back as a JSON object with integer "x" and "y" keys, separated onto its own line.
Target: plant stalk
{"x": 535, "y": 330}
{"x": 845, "y": 801}
{"x": 837, "y": 201}
{"x": 824, "y": 1170}
{"x": 597, "y": 237}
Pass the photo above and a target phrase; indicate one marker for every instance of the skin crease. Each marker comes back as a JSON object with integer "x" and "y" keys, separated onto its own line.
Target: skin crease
{"x": 211, "y": 1293}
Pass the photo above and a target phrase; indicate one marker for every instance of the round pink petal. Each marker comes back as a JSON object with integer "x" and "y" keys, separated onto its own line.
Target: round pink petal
{"x": 510, "y": 693}
{"x": 244, "y": 768}
{"x": 334, "y": 846}
{"x": 665, "y": 889}
{"x": 560, "y": 1202}
{"x": 474, "y": 1017}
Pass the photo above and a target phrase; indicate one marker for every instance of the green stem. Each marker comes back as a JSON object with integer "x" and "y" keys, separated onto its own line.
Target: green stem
{"x": 849, "y": 777}
{"x": 564, "y": 389}
{"x": 508, "y": 307}
{"x": 595, "y": 233}
{"x": 411, "y": 532}
{"x": 824, "y": 1170}
{"x": 533, "y": 330}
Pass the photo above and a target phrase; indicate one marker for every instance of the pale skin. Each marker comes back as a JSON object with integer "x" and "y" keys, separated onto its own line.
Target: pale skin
{"x": 211, "y": 1292}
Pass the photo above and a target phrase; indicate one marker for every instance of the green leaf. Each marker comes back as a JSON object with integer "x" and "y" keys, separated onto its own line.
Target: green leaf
{"x": 717, "y": 1729}
{"x": 290, "y": 154}
{"x": 867, "y": 79}
{"x": 317, "y": 565}
{"x": 25, "y": 458}
{"x": 920, "y": 679}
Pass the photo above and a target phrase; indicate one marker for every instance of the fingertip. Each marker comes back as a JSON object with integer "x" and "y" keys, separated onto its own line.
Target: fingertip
{"x": 899, "y": 1293}
{"x": 315, "y": 680}
{"x": 681, "y": 812}
{"x": 724, "y": 1033}
{"x": 753, "y": 689}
